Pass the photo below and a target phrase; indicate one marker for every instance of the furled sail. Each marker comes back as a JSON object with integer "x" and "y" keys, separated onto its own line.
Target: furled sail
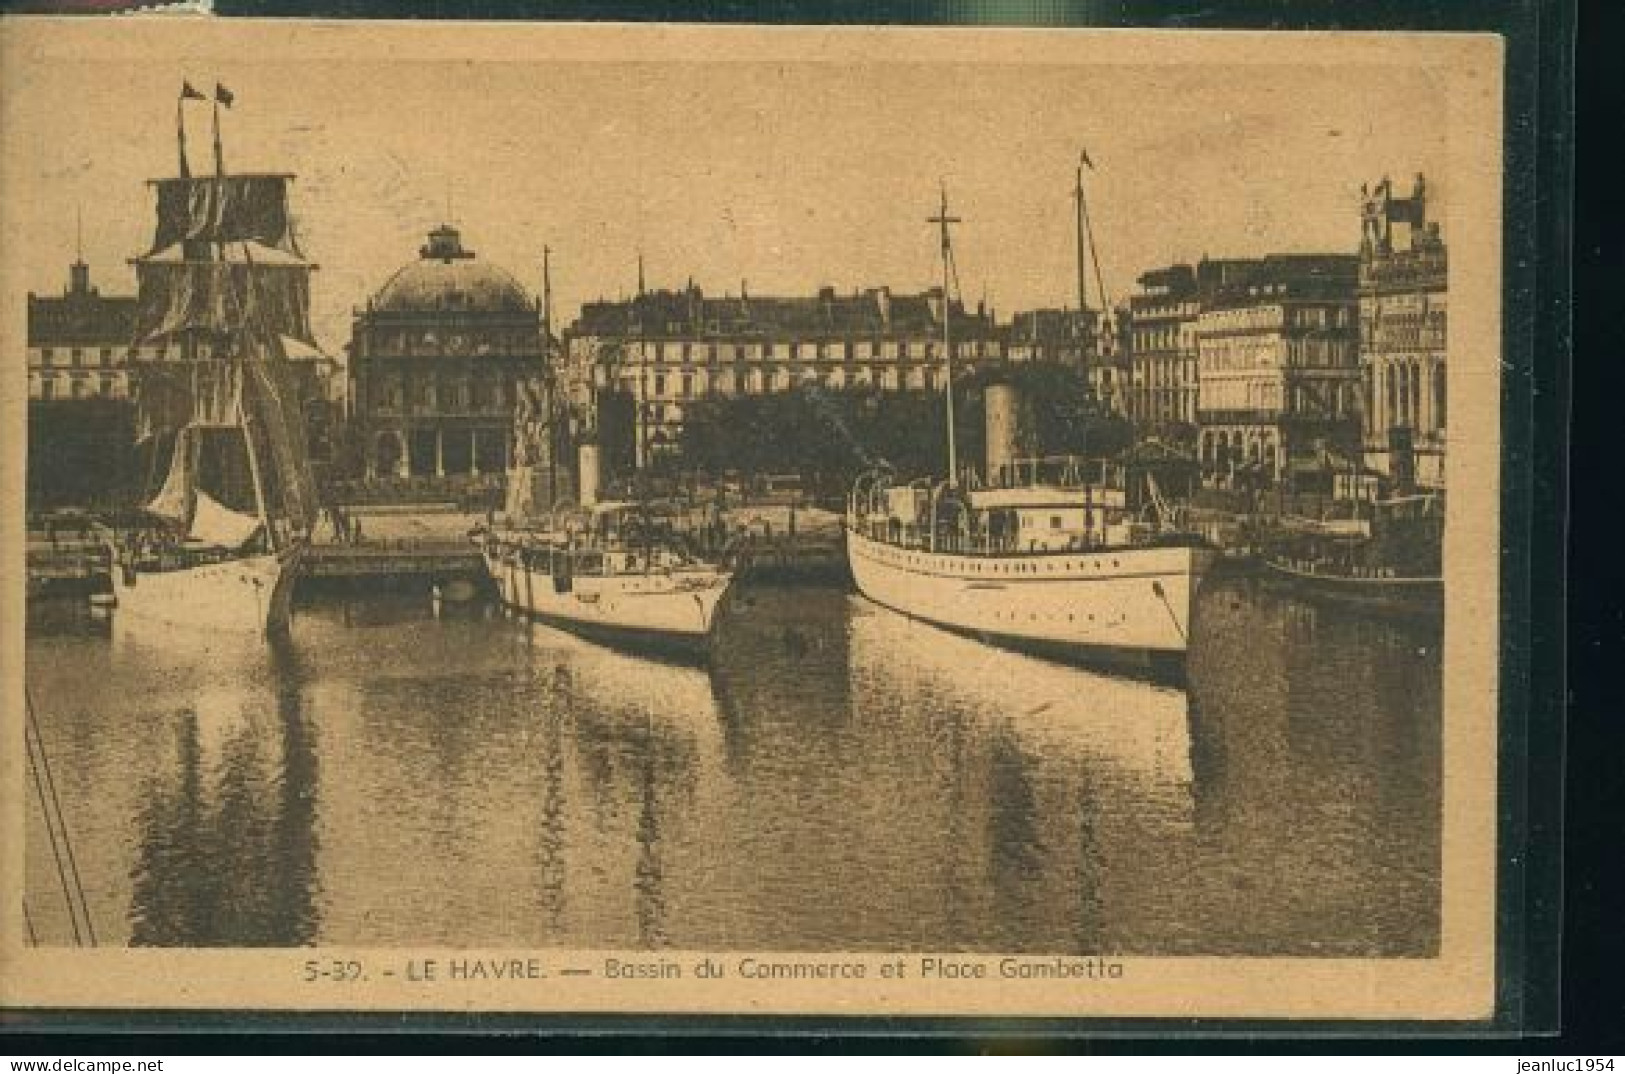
{"x": 279, "y": 413}
{"x": 163, "y": 395}
{"x": 226, "y": 289}
{"x": 219, "y": 526}
{"x": 173, "y": 502}
{"x": 223, "y": 209}
{"x": 179, "y": 296}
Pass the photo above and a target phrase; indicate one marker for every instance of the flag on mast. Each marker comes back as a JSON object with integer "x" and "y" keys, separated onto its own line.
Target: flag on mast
{"x": 1083, "y": 155}
{"x": 222, "y": 96}
{"x": 188, "y": 93}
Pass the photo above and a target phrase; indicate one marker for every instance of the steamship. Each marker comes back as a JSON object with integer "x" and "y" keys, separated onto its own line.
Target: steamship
{"x": 1050, "y": 555}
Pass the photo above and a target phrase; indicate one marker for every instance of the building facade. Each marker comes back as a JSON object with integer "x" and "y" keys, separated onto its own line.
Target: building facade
{"x": 1278, "y": 366}
{"x": 664, "y": 349}
{"x": 435, "y": 360}
{"x": 1403, "y": 313}
{"x": 80, "y": 342}
{"x": 1164, "y": 382}
{"x": 1063, "y": 336}
{"x": 1078, "y": 339}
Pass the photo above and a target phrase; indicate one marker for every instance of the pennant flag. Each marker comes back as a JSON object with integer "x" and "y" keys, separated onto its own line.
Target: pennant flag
{"x": 189, "y": 92}
{"x": 1083, "y": 154}
{"x": 223, "y": 95}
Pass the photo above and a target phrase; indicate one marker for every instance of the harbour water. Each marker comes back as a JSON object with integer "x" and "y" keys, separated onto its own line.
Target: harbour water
{"x": 839, "y": 778}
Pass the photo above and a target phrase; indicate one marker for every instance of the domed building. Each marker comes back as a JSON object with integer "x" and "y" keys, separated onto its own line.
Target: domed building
{"x": 435, "y": 358}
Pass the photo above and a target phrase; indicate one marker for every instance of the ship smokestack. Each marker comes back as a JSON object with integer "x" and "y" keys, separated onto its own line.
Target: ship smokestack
{"x": 590, "y": 473}
{"x": 1003, "y": 404}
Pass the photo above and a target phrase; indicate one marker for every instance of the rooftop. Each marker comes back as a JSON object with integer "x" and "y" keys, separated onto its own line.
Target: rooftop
{"x": 872, "y": 312}
{"x": 80, "y": 315}
{"x": 448, "y": 277}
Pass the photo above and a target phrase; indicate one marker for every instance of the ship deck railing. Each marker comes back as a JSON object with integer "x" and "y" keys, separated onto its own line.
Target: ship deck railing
{"x": 961, "y": 546}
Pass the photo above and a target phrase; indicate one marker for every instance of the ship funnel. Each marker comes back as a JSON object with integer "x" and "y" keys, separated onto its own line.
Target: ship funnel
{"x": 1003, "y": 404}
{"x": 590, "y": 473}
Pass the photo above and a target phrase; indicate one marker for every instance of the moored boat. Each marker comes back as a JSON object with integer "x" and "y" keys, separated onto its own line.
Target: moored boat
{"x": 1060, "y": 568}
{"x": 598, "y": 581}
{"x": 1391, "y": 559}
{"x": 223, "y": 295}
{"x": 1050, "y": 555}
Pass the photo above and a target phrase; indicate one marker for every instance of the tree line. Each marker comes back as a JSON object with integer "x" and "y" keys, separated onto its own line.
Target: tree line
{"x": 830, "y": 435}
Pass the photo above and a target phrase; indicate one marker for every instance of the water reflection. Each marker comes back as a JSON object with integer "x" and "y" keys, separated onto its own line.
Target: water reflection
{"x": 841, "y": 777}
{"x": 1316, "y": 739}
{"x": 226, "y": 852}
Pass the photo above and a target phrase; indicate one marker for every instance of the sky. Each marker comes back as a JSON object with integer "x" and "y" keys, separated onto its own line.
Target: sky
{"x": 789, "y": 175}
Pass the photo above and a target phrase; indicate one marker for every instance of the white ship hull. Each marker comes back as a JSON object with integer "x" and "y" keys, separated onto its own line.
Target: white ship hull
{"x": 1110, "y": 603}
{"x": 674, "y": 610}
{"x": 249, "y": 594}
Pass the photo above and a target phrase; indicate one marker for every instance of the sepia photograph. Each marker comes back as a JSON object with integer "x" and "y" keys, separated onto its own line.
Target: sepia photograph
{"x": 737, "y": 520}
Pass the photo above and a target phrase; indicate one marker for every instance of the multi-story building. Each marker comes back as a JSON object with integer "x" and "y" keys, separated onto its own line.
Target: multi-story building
{"x": 79, "y": 342}
{"x": 435, "y": 359}
{"x": 1108, "y": 370}
{"x": 1064, "y": 336}
{"x": 663, "y": 349}
{"x": 1163, "y": 380}
{"x": 1278, "y": 363}
{"x": 1403, "y": 292}
{"x": 1078, "y": 339}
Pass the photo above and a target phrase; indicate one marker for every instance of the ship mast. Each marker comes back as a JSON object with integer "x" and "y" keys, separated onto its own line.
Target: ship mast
{"x": 1086, "y": 241}
{"x": 942, "y": 220}
{"x": 237, "y": 344}
{"x": 1083, "y": 271}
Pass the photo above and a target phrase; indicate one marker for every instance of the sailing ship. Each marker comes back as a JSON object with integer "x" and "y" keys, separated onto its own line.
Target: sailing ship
{"x": 1049, "y": 555}
{"x": 224, "y": 294}
{"x": 608, "y": 575}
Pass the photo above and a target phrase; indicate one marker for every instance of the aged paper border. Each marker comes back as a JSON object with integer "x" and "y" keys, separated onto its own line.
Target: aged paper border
{"x": 1457, "y": 985}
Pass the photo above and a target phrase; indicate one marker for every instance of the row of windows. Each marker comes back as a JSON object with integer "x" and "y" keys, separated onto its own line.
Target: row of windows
{"x": 84, "y": 356}
{"x": 1323, "y": 398}
{"x": 453, "y": 397}
{"x": 104, "y": 356}
{"x": 691, "y": 385}
{"x": 1256, "y": 352}
{"x": 1165, "y": 372}
{"x": 78, "y": 386}
{"x": 1259, "y": 318}
{"x": 1165, "y": 404}
{"x": 861, "y": 350}
{"x": 1406, "y": 394}
{"x": 1165, "y": 338}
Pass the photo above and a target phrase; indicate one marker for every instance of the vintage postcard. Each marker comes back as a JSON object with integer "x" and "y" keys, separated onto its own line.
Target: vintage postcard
{"x": 855, "y": 521}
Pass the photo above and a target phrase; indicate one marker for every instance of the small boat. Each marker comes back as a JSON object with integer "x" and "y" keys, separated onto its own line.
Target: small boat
{"x": 1391, "y": 559}
{"x": 609, "y": 579}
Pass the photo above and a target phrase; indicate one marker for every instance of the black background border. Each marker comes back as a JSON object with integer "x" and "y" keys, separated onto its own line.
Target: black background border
{"x": 1558, "y": 945}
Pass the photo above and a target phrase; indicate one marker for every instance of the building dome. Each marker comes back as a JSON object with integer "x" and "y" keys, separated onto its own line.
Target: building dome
{"x": 448, "y": 278}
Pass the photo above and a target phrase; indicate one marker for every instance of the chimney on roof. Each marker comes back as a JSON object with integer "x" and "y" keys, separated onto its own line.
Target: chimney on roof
{"x": 883, "y": 302}
{"x": 934, "y": 299}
